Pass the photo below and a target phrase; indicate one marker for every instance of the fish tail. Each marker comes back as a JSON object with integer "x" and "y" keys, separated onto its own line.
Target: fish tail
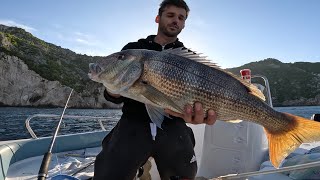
{"x": 281, "y": 144}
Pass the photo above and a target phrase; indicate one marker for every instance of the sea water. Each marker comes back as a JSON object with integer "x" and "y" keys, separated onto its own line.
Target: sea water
{"x": 12, "y": 120}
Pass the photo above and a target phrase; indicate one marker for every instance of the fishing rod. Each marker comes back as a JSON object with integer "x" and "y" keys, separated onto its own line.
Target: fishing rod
{"x": 43, "y": 171}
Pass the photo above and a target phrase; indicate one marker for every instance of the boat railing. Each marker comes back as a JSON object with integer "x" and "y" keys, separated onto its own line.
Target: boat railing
{"x": 266, "y": 84}
{"x": 34, "y": 136}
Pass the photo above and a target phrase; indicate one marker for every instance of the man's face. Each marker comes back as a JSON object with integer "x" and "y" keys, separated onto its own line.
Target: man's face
{"x": 172, "y": 20}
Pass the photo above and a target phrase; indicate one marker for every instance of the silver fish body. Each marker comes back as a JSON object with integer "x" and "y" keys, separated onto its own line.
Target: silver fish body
{"x": 176, "y": 77}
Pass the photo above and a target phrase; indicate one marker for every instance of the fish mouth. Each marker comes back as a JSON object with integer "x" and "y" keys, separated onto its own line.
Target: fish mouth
{"x": 94, "y": 71}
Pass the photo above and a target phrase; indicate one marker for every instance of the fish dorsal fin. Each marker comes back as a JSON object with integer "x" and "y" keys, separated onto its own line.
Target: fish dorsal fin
{"x": 187, "y": 53}
{"x": 251, "y": 88}
{"x": 255, "y": 91}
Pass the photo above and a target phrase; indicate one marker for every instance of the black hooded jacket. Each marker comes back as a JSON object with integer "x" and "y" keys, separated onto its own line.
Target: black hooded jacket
{"x": 132, "y": 108}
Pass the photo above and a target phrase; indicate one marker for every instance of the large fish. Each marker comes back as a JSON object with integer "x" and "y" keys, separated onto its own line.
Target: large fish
{"x": 176, "y": 77}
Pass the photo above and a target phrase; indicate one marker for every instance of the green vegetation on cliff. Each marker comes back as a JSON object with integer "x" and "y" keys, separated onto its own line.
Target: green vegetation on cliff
{"x": 288, "y": 81}
{"x": 48, "y": 60}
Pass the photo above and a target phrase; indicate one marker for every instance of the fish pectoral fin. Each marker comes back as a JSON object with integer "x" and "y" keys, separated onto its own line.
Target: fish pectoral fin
{"x": 158, "y": 98}
{"x": 234, "y": 121}
{"x": 300, "y": 130}
{"x": 156, "y": 114}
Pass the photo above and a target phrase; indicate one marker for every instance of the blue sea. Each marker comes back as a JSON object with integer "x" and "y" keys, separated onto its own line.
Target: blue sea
{"x": 12, "y": 120}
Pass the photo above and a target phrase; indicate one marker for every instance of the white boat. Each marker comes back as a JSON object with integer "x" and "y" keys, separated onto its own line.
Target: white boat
{"x": 222, "y": 149}
{"x": 21, "y": 159}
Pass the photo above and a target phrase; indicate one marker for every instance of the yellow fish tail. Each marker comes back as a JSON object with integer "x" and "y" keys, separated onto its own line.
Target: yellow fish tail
{"x": 281, "y": 144}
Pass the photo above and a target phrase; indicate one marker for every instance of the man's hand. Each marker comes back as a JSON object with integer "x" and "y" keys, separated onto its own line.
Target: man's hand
{"x": 198, "y": 118}
{"x": 114, "y": 95}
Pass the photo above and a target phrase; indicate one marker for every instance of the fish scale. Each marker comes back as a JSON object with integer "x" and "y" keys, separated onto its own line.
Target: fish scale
{"x": 176, "y": 77}
{"x": 171, "y": 79}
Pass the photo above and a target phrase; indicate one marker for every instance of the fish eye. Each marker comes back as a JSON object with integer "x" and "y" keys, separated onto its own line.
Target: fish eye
{"x": 120, "y": 57}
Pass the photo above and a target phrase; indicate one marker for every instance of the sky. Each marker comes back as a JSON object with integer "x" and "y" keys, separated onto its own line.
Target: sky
{"x": 229, "y": 32}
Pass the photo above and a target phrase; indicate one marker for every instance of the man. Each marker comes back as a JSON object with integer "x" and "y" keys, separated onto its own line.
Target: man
{"x": 129, "y": 145}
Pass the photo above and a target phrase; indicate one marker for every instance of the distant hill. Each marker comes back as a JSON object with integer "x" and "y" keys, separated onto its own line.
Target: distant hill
{"x": 31, "y": 70}
{"x": 290, "y": 83}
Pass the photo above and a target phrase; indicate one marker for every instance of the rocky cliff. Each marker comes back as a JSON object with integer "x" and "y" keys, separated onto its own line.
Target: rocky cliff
{"x": 21, "y": 86}
{"x": 37, "y": 73}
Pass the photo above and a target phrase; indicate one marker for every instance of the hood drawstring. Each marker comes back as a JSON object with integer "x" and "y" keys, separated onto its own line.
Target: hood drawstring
{"x": 153, "y": 128}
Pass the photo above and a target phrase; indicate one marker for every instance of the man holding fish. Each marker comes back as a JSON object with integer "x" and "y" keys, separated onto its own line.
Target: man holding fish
{"x": 136, "y": 137}
{"x": 157, "y": 78}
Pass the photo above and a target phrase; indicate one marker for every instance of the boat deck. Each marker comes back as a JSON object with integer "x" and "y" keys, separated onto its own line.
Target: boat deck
{"x": 78, "y": 163}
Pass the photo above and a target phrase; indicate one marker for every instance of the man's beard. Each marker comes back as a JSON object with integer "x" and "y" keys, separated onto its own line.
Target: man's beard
{"x": 168, "y": 33}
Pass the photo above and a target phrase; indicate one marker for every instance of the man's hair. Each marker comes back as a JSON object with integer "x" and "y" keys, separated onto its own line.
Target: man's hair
{"x": 177, "y": 3}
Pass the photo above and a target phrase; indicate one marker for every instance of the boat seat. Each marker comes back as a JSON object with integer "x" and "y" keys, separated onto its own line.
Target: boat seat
{"x": 6, "y": 154}
{"x": 18, "y": 150}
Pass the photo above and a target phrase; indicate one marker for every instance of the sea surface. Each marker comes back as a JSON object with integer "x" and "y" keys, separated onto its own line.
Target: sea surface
{"x": 12, "y": 120}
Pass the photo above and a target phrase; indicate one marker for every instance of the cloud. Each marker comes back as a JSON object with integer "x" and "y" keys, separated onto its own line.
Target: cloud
{"x": 97, "y": 51}
{"x": 85, "y": 39}
{"x": 77, "y": 38}
{"x": 57, "y": 26}
{"x": 15, "y": 24}
{"x": 86, "y": 42}
{"x": 82, "y": 34}
{"x": 197, "y": 22}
